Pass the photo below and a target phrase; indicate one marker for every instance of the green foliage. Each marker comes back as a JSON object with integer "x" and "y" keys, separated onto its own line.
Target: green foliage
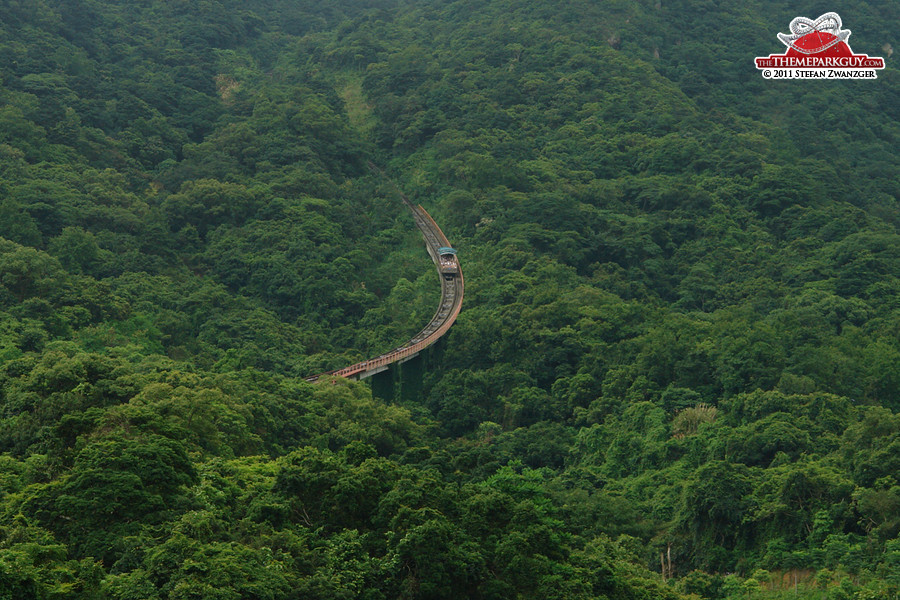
{"x": 675, "y": 374}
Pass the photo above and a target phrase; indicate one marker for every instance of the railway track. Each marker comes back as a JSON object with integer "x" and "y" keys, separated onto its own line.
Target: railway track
{"x": 451, "y": 302}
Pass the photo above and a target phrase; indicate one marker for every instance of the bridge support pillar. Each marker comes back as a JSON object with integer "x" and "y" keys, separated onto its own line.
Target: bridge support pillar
{"x": 411, "y": 374}
{"x": 401, "y": 382}
{"x": 383, "y": 384}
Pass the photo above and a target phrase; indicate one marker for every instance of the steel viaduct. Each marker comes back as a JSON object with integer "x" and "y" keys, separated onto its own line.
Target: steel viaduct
{"x": 447, "y": 311}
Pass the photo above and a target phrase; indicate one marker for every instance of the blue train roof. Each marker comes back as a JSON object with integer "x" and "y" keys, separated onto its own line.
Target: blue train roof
{"x": 446, "y": 250}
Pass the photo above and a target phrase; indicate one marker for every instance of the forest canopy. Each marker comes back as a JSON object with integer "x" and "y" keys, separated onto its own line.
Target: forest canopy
{"x": 677, "y": 369}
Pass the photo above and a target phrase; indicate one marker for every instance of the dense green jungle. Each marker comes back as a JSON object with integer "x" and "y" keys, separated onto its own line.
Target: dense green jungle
{"x": 676, "y": 373}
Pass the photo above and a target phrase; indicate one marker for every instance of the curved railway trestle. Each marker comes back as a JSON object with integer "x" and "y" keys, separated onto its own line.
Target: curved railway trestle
{"x": 447, "y": 311}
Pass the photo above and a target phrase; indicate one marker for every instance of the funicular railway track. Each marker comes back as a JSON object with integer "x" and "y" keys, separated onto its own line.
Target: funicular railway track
{"x": 447, "y": 311}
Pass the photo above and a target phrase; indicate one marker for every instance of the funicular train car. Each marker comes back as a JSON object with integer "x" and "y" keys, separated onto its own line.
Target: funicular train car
{"x": 449, "y": 265}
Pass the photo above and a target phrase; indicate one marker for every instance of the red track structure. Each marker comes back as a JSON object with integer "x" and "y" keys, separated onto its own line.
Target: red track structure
{"x": 447, "y": 311}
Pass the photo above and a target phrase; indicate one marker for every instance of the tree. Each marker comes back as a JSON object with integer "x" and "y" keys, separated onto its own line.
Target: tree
{"x": 115, "y": 485}
{"x": 712, "y": 510}
{"x": 26, "y": 272}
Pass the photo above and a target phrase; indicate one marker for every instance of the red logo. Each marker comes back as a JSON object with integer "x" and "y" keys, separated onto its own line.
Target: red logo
{"x": 818, "y": 50}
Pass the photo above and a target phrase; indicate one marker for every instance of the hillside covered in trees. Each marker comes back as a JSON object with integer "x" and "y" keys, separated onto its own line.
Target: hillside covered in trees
{"x": 677, "y": 370}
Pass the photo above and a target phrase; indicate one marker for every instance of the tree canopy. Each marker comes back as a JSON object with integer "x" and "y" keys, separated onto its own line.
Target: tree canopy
{"x": 677, "y": 370}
